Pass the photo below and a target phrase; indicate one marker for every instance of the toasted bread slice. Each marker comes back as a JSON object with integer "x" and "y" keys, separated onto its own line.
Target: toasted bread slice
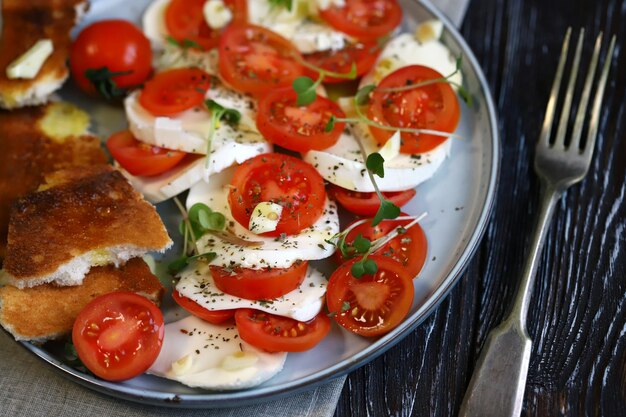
{"x": 89, "y": 217}
{"x": 36, "y": 141}
{"x": 25, "y": 23}
{"x": 48, "y": 311}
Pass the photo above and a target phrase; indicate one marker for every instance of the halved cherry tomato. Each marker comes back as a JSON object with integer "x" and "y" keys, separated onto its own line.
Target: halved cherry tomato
{"x": 259, "y": 284}
{"x": 119, "y": 46}
{"x": 184, "y": 20}
{"x": 211, "y": 316}
{"x": 434, "y": 106}
{"x": 256, "y": 60}
{"x": 283, "y": 180}
{"x": 299, "y": 128}
{"x": 118, "y": 335}
{"x": 280, "y": 334}
{"x": 173, "y": 91}
{"x": 367, "y": 204}
{"x": 362, "y": 54}
{"x": 364, "y": 19}
{"x": 139, "y": 158}
{"x": 373, "y": 304}
{"x": 408, "y": 248}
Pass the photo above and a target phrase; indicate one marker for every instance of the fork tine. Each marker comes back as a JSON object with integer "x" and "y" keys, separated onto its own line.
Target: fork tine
{"x": 559, "y": 142}
{"x": 597, "y": 103}
{"x": 544, "y": 137}
{"x": 584, "y": 100}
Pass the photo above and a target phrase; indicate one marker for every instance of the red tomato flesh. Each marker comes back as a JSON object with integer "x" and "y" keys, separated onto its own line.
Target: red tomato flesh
{"x": 280, "y": 334}
{"x": 434, "y": 106}
{"x": 367, "y": 204}
{"x": 211, "y": 316}
{"x": 298, "y": 128}
{"x": 373, "y": 304}
{"x": 139, "y": 158}
{"x": 259, "y": 284}
{"x": 364, "y": 19}
{"x": 173, "y": 91}
{"x": 117, "y": 45}
{"x": 184, "y": 20}
{"x": 362, "y": 54}
{"x": 280, "y": 179}
{"x": 118, "y": 335}
{"x": 256, "y": 60}
{"x": 409, "y": 248}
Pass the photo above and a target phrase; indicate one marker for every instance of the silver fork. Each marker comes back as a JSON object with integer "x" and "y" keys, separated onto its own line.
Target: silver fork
{"x": 497, "y": 385}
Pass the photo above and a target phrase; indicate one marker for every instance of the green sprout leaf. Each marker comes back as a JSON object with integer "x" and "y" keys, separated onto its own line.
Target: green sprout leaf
{"x": 331, "y": 124}
{"x": 369, "y": 266}
{"x": 387, "y": 210}
{"x": 231, "y": 116}
{"x": 361, "y": 244}
{"x": 178, "y": 264}
{"x": 345, "y": 306}
{"x": 305, "y": 88}
{"x": 375, "y": 163}
{"x": 362, "y": 96}
{"x": 465, "y": 96}
{"x": 302, "y": 84}
{"x": 357, "y": 269}
{"x": 206, "y": 257}
{"x": 287, "y": 4}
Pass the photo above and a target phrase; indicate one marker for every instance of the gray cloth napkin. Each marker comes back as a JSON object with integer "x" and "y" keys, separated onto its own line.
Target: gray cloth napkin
{"x": 29, "y": 388}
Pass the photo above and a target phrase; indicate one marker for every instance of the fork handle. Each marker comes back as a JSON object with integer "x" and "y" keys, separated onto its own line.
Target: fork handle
{"x": 499, "y": 380}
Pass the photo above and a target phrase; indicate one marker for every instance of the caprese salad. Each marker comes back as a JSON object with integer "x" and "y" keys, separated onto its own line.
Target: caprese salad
{"x": 243, "y": 111}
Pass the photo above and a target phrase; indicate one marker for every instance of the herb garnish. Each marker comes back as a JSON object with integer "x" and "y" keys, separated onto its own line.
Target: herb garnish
{"x": 200, "y": 219}
{"x": 306, "y": 88}
{"x": 287, "y": 4}
{"x": 218, "y": 112}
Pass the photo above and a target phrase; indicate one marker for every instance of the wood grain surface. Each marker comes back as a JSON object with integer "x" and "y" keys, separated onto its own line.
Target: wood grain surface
{"x": 578, "y": 313}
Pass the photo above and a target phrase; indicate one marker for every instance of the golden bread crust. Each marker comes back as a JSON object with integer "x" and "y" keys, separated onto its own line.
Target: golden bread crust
{"x": 97, "y": 209}
{"x": 48, "y": 311}
{"x": 27, "y": 155}
{"x": 24, "y": 23}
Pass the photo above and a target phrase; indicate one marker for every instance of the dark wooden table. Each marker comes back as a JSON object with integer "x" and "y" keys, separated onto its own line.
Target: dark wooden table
{"x": 578, "y": 313}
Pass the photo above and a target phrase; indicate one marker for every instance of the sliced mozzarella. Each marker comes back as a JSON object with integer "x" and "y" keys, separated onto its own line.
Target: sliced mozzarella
{"x": 282, "y": 252}
{"x": 404, "y": 50}
{"x": 342, "y": 164}
{"x": 153, "y": 22}
{"x": 204, "y": 355}
{"x": 171, "y": 183}
{"x": 307, "y": 35}
{"x": 302, "y": 304}
{"x": 188, "y": 131}
{"x": 167, "y": 55}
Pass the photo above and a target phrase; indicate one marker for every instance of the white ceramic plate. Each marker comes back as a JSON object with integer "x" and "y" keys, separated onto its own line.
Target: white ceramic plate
{"x": 459, "y": 200}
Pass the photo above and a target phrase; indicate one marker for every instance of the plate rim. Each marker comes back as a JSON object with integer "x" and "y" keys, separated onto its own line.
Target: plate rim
{"x": 263, "y": 394}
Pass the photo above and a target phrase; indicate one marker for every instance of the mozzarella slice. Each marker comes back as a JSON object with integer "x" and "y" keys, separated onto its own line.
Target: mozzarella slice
{"x": 166, "y": 55}
{"x": 342, "y": 164}
{"x": 307, "y": 35}
{"x": 302, "y": 304}
{"x": 171, "y": 183}
{"x": 153, "y": 22}
{"x": 281, "y": 252}
{"x": 404, "y": 50}
{"x": 188, "y": 131}
{"x": 204, "y": 355}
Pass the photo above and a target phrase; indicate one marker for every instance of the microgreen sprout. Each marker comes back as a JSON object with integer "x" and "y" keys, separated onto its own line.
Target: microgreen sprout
{"x": 287, "y": 4}
{"x": 218, "y": 112}
{"x": 196, "y": 222}
{"x": 184, "y": 44}
{"x": 363, "y": 247}
{"x": 306, "y": 88}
